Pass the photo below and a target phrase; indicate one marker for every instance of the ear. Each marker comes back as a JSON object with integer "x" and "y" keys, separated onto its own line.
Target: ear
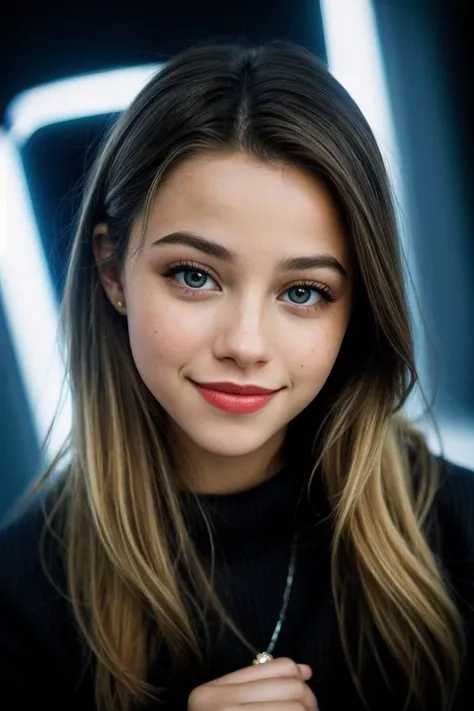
{"x": 104, "y": 250}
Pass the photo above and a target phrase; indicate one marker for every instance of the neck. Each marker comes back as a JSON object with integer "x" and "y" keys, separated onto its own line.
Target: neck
{"x": 209, "y": 473}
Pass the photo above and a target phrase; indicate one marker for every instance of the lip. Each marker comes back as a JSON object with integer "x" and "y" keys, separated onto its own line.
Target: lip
{"x": 235, "y": 402}
{"x": 236, "y": 389}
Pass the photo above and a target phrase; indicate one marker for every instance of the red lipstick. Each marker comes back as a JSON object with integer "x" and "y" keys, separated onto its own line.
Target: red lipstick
{"x": 231, "y": 397}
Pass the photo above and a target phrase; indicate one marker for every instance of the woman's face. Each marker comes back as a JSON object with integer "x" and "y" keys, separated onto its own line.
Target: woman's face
{"x": 245, "y": 278}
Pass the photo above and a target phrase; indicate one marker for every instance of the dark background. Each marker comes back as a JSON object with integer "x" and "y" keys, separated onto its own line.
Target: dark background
{"x": 427, "y": 56}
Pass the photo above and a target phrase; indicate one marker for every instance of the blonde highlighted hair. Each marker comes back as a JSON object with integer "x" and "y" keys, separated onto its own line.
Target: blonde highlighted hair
{"x": 126, "y": 539}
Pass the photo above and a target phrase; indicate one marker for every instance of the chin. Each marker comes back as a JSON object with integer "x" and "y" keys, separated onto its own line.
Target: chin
{"x": 230, "y": 443}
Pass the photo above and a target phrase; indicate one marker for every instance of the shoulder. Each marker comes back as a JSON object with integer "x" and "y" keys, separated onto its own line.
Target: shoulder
{"x": 449, "y": 526}
{"x": 451, "y": 535}
{"x": 32, "y": 578}
{"x": 41, "y": 655}
{"x": 454, "y": 507}
{"x": 20, "y": 542}
{"x": 455, "y": 480}
{"x": 31, "y": 570}
{"x": 453, "y": 545}
{"x": 450, "y": 523}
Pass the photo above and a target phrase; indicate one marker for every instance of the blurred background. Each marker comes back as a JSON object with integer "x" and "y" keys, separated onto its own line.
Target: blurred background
{"x": 69, "y": 67}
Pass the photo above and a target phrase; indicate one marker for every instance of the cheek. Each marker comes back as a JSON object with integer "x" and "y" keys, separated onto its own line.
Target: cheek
{"x": 158, "y": 334}
{"x": 312, "y": 358}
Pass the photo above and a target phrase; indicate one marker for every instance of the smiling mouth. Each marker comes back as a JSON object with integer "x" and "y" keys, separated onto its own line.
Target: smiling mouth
{"x": 237, "y": 389}
{"x": 237, "y": 399}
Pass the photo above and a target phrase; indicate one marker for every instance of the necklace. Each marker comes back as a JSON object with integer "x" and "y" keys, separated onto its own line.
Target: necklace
{"x": 263, "y": 657}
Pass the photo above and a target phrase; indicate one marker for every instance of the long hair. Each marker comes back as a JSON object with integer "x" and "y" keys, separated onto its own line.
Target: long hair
{"x": 124, "y": 527}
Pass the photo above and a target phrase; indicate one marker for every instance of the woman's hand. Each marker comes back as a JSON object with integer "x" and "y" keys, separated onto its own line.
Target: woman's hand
{"x": 278, "y": 685}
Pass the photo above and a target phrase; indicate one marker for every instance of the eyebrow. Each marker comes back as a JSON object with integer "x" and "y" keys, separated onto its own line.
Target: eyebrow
{"x": 213, "y": 249}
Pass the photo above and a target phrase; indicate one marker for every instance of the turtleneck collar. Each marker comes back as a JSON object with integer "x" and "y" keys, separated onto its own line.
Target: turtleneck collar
{"x": 247, "y": 520}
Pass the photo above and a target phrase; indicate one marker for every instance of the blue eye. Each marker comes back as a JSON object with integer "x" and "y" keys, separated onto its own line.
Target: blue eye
{"x": 304, "y": 295}
{"x": 191, "y": 278}
{"x": 194, "y": 279}
{"x": 308, "y": 296}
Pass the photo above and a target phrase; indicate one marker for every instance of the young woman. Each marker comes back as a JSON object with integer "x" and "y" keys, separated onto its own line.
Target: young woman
{"x": 241, "y": 484}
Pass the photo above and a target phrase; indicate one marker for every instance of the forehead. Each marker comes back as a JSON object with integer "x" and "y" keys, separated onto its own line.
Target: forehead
{"x": 245, "y": 203}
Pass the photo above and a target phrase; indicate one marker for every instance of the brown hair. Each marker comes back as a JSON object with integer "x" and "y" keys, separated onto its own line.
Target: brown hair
{"x": 123, "y": 531}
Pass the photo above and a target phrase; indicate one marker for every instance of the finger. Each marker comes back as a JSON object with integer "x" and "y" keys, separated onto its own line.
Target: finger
{"x": 289, "y": 689}
{"x": 283, "y": 666}
{"x": 275, "y": 706}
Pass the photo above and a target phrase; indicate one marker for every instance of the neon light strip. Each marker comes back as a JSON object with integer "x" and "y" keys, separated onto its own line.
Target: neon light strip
{"x": 77, "y": 97}
{"x": 355, "y": 59}
{"x": 25, "y": 282}
{"x": 28, "y": 298}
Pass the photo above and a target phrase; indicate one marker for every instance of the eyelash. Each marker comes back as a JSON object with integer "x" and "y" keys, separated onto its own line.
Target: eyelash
{"x": 323, "y": 290}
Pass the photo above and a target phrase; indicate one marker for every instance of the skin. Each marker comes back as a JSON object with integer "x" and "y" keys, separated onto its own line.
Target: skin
{"x": 278, "y": 685}
{"x": 242, "y": 323}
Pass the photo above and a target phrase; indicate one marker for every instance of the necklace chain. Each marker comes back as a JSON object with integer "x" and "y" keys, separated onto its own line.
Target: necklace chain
{"x": 263, "y": 657}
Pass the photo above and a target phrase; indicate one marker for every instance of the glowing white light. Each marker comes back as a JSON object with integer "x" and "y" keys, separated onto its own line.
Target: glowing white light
{"x": 355, "y": 59}
{"x": 76, "y": 97}
{"x": 25, "y": 283}
{"x": 27, "y": 295}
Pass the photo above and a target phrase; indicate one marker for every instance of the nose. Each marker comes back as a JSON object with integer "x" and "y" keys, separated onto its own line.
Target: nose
{"x": 241, "y": 335}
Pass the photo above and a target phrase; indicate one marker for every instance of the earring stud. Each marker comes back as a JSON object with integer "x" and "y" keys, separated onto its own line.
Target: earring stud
{"x": 119, "y": 304}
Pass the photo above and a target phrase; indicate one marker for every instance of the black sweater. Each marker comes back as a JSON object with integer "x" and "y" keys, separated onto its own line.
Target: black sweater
{"x": 40, "y": 648}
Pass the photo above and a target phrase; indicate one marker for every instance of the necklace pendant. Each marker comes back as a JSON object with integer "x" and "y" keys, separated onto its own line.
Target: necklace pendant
{"x": 262, "y": 658}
